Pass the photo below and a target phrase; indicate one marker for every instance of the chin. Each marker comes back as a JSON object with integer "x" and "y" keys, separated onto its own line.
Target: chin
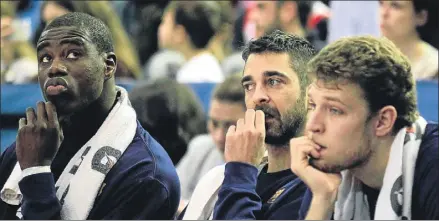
{"x": 326, "y": 167}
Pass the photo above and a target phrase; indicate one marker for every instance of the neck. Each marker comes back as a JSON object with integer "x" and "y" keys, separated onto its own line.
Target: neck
{"x": 409, "y": 46}
{"x": 295, "y": 28}
{"x": 89, "y": 119}
{"x": 278, "y": 158}
{"x": 189, "y": 52}
{"x": 372, "y": 172}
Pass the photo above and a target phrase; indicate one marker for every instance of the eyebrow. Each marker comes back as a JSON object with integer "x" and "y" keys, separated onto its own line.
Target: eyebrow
{"x": 330, "y": 99}
{"x": 274, "y": 73}
{"x": 266, "y": 74}
{"x": 246, "y": 78}
{"x": 42, "y": 45}
{"x": 74, "y": 41}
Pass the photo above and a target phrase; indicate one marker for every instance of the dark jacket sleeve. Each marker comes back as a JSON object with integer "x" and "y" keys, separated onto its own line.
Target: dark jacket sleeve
{"x": 425, "y": 203}
{"x": 146, "y": 199}
{"x": 39, "y": 197}
{"x": 237, "y": 197}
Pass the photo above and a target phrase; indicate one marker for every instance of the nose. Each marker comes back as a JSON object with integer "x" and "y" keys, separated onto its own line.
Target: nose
{"x": 384, "y": 11}
{"x": 57, "y": 69}
{"x": 260, "y": 96}
{"x": 315, "y": 122}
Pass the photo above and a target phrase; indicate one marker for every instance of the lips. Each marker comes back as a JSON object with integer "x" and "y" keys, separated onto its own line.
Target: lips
{"x": 55, "y": 86}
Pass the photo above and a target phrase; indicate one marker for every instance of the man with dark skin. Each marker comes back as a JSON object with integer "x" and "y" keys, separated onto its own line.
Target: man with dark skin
{"x": 76, "y": 66}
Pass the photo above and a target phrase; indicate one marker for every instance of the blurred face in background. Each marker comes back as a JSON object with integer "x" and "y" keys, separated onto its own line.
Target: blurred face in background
{"x": 271, "y": 15}
{"x": 222, "y": 115}
{"x": 170, "y": 34}
{"x": 399, "y": 19}
{"x": 265, "y": 17}
{"x": 52, "y": 10}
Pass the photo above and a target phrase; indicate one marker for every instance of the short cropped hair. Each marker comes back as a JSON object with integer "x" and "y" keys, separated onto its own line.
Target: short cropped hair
{"x": 378, "y": 67}
{"x": 299, "y": 50}
{"x": 230, "y": 90}
{"x": 200, "y": 19}
{"x": 98, "y": 31}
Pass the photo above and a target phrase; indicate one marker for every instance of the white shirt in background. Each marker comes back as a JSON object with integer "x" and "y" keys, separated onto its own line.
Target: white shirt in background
{"x": 203, "y": 68}
{"x": 352, "y": 18}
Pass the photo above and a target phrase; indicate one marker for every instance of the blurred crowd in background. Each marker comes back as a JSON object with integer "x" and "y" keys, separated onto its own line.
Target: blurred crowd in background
{"x": 199, "y": 42}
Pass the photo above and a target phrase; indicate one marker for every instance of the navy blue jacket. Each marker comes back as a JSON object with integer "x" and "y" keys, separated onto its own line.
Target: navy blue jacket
{"x": 143, "y": 184}
{"x": 425, "y": 194}
{"x": 246, "y": 196}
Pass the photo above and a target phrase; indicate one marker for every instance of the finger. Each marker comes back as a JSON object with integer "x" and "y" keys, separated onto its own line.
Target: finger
{"x": 41, "y": 112}
{"x": 30, "y": 116}
{"x": 250, "y": 119}
{"x": 240, "y": 125}
{"x": 301, "y": 151}
{"x": 52, "y": 116}
{"x": 21, "y": 123}
{"x": 231, "y": 129}
{"x": 260, "y": 121}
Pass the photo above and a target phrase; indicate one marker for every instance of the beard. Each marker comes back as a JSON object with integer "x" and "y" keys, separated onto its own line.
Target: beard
{"x": 280, "y": 129}
{"x": 352, "y": 160}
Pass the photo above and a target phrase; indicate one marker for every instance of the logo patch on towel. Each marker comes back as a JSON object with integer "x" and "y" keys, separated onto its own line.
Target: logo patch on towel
{"x": 276, "y": 195}
{"x": 396, "y": 196}
{"x": 104, "y": 159}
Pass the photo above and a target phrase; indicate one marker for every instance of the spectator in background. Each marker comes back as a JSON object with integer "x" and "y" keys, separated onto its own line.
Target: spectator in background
{"x": 207, "y": 151}
{"x": 288, "y": 16}
{"x": 413, "y": 27}
{"x": 188, "y": 27}
{"x": 221, "y": 43}
{"x": 128, "y": 65}
{"x": 170, "y": 112}
{"x": 141, "y": 20}
{"x": 281, "y": 15}
{"x": 18, "y": 57}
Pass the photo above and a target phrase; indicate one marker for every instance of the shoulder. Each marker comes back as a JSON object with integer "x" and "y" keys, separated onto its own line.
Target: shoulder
{"x": 7, "y": 163}
{"x": 428, "y": 151}
{"x": 201, "y": 143}
{"x": 426, "y": 180}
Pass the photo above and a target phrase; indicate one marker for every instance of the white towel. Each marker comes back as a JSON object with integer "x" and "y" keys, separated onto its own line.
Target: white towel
{"x": 205, "y": 195}
{"x": 394, "y": 200}
{"x": 82, "y": 178}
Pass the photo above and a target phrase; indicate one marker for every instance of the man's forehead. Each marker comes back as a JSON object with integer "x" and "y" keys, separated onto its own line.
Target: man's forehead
{"x": 341, "y": 89}
{"x": 258, "y": 65}
{"x": 65, "y": 32}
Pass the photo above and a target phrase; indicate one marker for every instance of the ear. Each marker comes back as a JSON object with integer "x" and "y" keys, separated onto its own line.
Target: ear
{"x": 288, "y": 11}
{"x": 385, "y": 119}
{"x": 421, "y": 18}
{"x": 110, "y": 65}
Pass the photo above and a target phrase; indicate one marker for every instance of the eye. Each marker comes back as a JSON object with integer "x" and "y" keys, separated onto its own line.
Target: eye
{"x": 45, "y": 59}
{"x": 214, "y": 123}
{"x": 335, "y": 111}
{"x": 248, "y": 86}
{"x": 73, "y": 55}
{"x": 273, "y": 82}
{"x": 311, "y": 106}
